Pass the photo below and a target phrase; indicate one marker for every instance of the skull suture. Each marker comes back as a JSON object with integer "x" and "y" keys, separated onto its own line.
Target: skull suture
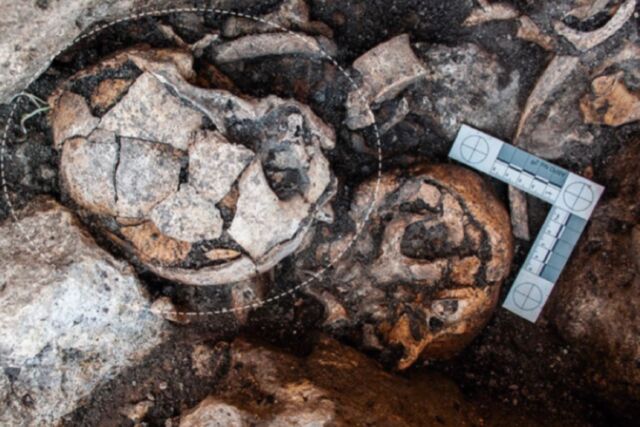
{"x": 200, "y": 185}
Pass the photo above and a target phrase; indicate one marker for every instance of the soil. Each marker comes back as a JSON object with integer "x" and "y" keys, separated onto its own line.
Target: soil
{"x": 513, "y": 365}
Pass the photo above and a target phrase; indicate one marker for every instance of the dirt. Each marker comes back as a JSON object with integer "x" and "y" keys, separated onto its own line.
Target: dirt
{"x": 513, "y": 364}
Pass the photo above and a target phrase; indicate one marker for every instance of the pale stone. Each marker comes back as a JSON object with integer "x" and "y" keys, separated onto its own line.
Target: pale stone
{"x": 73, "y": 316}
{"x": 212, "y": 412}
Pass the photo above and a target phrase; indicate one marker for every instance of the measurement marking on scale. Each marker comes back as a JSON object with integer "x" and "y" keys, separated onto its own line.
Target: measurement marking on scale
{"x": 572, "y": 197}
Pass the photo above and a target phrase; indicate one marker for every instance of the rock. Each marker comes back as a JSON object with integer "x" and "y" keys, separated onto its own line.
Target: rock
{"x": 550, "y": 122}
{"x": 584, "y": 41}
{"x": 193, "y": 205}
{"x": 213, "y": 413}
{"x": 260, "y": 45}
{"x": 270, "y": 388}
{"x": 385, "y": 71}
{"x": 596, "y": 303}
{"x": 25, "y": 55}
{"x": 73, "y": 316}
{"x": 424, "y": 277}
{"x": 610, "y": 103}
{"x": 466, "y": 84}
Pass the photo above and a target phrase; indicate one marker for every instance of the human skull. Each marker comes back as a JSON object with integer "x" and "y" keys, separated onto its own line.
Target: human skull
{"x": 199, "y": 185}
{"x": 425, "y": 274}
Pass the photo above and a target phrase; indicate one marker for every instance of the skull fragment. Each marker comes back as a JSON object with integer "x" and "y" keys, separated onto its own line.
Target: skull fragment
{"x": 198, "y": 185}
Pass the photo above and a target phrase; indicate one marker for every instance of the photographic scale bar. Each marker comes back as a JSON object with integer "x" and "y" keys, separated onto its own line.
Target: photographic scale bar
{"x": 572, "y": 197}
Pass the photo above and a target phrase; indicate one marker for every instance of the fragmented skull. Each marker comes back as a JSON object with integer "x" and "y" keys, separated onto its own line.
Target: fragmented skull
{"x": 199, "y": 185}
{"x": 425, "y": 275}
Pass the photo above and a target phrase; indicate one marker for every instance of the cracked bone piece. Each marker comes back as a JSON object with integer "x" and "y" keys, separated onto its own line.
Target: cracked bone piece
{"x": 260, "y": 45}
{"x": 87, "y": 171}
{"x": 584, "y": 41}
{"x": 257, "y": 207}
{"x": 491, "y": 12}
{"x": 147, "y": 174}
{"x": 71, "y": 117}
{"x": 529, "y": 31}
{"x": 291, "y": 14}
{"x": 611, "y": 103}
{"x": 215, "y": 164}
{"x": 385, "y": 70}
{"x": 425, "y": 274}
{"x": 193, "y": 205}
{"x": 150, "y": 112}
{"x": 187, "y": 216}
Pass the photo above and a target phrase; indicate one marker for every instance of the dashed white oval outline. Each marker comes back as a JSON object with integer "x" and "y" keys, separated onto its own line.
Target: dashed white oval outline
{"x": 222, "y": 12}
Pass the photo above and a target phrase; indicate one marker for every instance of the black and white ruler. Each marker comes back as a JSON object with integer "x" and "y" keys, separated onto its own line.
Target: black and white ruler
{"x": 572, "y": 197}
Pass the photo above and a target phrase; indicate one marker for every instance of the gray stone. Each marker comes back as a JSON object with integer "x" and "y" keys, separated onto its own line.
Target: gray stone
{"x": 27, "y": 53}
{"x": 188, "y": 216}
{"x": 73, "y": 317}
{"x": 466, "y": 84}
{"x": 147, "y": 174}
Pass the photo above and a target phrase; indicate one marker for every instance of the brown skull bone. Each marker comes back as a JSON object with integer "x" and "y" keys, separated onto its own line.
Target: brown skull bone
{"x": 199, "y": 185}
{"x": 425, "y": 275}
